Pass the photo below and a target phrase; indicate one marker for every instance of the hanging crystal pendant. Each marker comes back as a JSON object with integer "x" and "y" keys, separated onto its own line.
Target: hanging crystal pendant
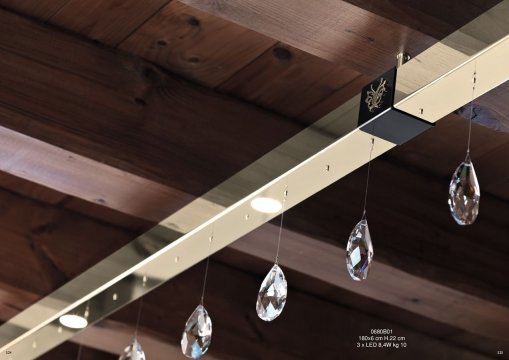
{"x": 359, "y": 251}
{"x": 133, "y": 352}
{"x": 197, "y": 334}
{"x": 464, "y": 194}
{"x": 272, "y": 295}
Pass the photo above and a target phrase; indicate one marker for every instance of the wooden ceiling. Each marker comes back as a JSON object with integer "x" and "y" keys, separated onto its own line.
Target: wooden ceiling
{"x": 114, "y": 114}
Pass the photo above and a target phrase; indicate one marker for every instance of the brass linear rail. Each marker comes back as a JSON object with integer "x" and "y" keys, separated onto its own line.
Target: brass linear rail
{"x": 313, "y": 159}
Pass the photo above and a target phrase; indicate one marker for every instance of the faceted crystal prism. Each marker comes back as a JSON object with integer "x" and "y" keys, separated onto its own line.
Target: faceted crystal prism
{"x": 272, "y": 295}
{"x": 133, "y": 352}
{"x": 464, "y": 194}
{"x": 197, "y": 334}
{"x": 359, "y": 251}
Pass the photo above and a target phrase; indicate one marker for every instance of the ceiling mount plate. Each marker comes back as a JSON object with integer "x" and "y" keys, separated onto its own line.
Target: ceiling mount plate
{"x": 379, "y": 117}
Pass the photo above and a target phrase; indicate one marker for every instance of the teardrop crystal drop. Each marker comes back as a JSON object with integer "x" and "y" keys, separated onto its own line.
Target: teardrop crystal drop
{"x": 133, "y": 352}
{"x": 464, "y": 194}
{"x": 359, "y": 251}
{"x": 197, "y": 334}
{"x": 272, "y": 295}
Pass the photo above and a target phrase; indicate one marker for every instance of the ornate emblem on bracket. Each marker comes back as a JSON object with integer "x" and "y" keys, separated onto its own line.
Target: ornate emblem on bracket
{"x": 375, "y": 96}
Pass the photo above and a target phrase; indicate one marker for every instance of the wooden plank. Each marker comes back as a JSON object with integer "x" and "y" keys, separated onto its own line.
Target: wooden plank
{"x": 89, "y": 103}
{"x": 333, "y": 30}
{"x": 31, "y": 190}
{"x": 495, "y": 103}
{"x": 469, "y": 341}
{"x": 36, "y": 274}
{"x": 108, "y": 21}
{"x": 289, "y": 81}
{"x": 47, "y": 196}
{"x": 194, "y": 44}
{"x": 13, "y": 299}
{"x": 53, "y": 244}
{"x": 86, "y": 179}
{"x": 340, "y": 96}
{"x": 42, "y": 10}
{"x": 69, "y": 350}
{"x": 434, "y": 18}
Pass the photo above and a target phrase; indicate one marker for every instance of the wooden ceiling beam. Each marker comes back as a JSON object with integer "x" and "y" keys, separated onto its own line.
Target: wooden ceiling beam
{"x": 358, "y": 34}
{"x": 333, "y": 30}
{"x": 61, "y": 132}
{"x": 96, "y": 124}
{"x": 434, "y": 18}
{"x": 84, "y": 178}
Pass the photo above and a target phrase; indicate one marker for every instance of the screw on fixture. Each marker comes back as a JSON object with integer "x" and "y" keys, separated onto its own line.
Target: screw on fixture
{"x": 402, "y": 58}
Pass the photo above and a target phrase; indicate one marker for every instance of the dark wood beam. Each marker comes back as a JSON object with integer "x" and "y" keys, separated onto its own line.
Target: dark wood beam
{"x": 85, "y": 178}
{"x": 42, "y": 10}
{"x": 68, "y": 350}
{"x": 117, "y": 112}
{"x": 107, "y": 21}
{"x": 361, "y": 35}
{"x": 333, "y": 30}
{"x": 201, "y": 47}
{"x": 57, "y": 241}
{"x": 434, "y": 18}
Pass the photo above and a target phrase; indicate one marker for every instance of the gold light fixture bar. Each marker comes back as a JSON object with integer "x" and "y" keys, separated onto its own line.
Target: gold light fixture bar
{"x": 310, "y": 161}
{"x": 313, "y": 159}
{"x": 439, "y": 80}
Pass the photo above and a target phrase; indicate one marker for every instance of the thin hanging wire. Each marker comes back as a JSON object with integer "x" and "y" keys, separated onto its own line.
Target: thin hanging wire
{"x": 367, "y": 177}
{"x": 138, "y": 317}
{"x": 474, "y": 79}
{"x": 285, "y": 194}
{"x": 79, "y": 352}
{"x": 86, "y": 313}
{"x": 206, "y": 270}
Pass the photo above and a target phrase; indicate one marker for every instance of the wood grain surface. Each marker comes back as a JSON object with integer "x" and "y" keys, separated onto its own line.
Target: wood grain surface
{"x": 42, "y": 10}
{"x": 333, "y": 30}
{"x": 289, "y": 81}
{"x": 196, "y": 45}
{"x": 108, "y": 21}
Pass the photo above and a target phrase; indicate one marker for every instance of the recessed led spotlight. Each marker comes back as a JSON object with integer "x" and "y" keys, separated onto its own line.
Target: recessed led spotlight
{"x": 266, "y": 205}
{"x": 73, "y": 321}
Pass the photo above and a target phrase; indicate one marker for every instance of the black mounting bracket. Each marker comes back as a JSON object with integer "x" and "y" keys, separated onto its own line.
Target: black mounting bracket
{"x": 379, "y": 117}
